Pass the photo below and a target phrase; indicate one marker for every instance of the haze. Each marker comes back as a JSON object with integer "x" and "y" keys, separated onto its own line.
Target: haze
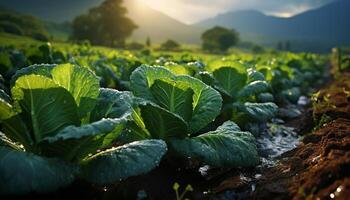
{"x": 191, "y": 11}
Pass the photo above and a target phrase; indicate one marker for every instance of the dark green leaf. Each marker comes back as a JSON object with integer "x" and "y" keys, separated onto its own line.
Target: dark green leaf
{"x": 118, "y": 163}
{"x": 175, "y": 97}
{"x": 5, "y": 141}
{"x": 253, "y": 88}
{"x": 6, "y": 110}
{"x": 161, "y": 123}
{"x": 4, "y": 96}
{"x": 207, "y": 103}
{"x": 74, "y": 143}
{"x": 112, "y": 104}
{"x": 292, "y": 94}
{"x": 254, "y": 75}
{"x": 265, "y": 97}
{"x": 82, "y": 83}
{"x": 5, "y": 62}
{"x": 261, "y": 112}
{"x": 41, "y": 69}
{"x": 23, "y": 173}
{"x": 207, "y": 78}
{"x": 47, "y": 106}
{"x": 225, "y": 147}
{"x": 17, "y": 130}
{"x": 230, "y": 80}
{"x": 143, "y": 78}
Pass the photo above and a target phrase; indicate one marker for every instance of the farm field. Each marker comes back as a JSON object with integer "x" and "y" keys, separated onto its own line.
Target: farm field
{"x": 87, "y": 111}
{"x": 254, "y": 105}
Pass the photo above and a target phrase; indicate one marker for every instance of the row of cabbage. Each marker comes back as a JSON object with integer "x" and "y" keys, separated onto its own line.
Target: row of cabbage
{"x": 58, "y": 124}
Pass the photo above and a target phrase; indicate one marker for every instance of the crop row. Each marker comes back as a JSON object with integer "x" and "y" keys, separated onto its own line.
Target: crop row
{"x": 58, "y": 123}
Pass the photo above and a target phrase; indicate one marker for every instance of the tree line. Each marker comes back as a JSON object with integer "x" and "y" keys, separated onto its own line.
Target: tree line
{"x": 108, "y": 25}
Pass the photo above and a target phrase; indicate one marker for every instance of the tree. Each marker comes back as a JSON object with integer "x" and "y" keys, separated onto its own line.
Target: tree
{"x": 287, "y": 46}
{"x": 106, "y": 24}
{"x": 219, "y": 39}
{"x": 170, "y": 45}
{"x": 256, "y": 49}
{"x": 27, "y": 25}
{"x": 135, "y": 46}
{"x": 148, "y": 42}
{"x": 279, "y": 46}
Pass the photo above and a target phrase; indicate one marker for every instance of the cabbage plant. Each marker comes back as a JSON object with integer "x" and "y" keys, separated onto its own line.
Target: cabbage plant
{"x": 285, "y": 81}
{"x": 245, "y": 92}
{"x": 59, "y": 124}
{"x": 177, "y": 108}
{"x": 2, "y": 83}
{"x": 293, "y": 75}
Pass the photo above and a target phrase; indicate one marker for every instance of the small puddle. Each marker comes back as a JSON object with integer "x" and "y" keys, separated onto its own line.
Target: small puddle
{"x": 276, "y": 139}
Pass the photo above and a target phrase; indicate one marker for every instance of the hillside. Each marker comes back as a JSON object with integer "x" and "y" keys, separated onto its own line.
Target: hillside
{"x": 53, "y": 10}
{"x": 159, "y": 26}
{"x": 152, "y": 23}
{"x": 316, "y": 30}
{"x": 320, "y": 28}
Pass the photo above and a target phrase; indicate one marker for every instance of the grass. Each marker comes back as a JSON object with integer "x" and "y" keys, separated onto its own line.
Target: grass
{"x": 7, "y": 39}
{"x": 192, "y": 50}
{"x": 16, "y": 40}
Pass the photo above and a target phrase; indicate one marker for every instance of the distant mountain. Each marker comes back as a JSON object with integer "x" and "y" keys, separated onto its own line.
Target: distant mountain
{"x": 318, "y": 29}
{"x": 315, "y": 30}
{"x": 51, "y": 10}
{"x": 158, "y": 26}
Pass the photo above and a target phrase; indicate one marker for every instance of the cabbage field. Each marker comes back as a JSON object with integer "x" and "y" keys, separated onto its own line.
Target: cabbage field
{"x": 162, "y": 125}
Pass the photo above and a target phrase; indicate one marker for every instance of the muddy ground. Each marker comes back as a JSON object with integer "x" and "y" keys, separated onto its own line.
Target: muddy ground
{"x": 319, "y": 168}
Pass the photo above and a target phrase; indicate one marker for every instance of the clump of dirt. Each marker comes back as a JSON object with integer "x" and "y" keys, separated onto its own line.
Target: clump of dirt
{"x": 334, "y": 100}
{"x": 302, "y": 124}
{"x": 319, "y": 168}
{"x": 326, "y": 159}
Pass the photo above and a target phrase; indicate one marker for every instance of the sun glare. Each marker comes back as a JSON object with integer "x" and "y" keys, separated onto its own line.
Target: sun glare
{"x": 137, "y": 4}
{"x": 281, "y": 14}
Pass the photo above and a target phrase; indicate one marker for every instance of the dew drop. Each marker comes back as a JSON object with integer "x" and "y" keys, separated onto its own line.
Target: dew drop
{"x": 257, "y": 176}
{"x": 340, "y": 188}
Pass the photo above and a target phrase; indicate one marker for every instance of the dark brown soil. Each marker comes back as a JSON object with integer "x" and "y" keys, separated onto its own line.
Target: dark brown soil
{"x": 334, "y": 100}
{"x": 319, "y": 168}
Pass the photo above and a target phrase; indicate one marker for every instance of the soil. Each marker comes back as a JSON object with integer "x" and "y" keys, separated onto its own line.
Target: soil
{"x": 319, "y": 168}
{"x": 334, "y": 99}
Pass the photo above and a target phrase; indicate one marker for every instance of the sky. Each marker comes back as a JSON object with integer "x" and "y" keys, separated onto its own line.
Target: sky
{"x": 191, "y": 11}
